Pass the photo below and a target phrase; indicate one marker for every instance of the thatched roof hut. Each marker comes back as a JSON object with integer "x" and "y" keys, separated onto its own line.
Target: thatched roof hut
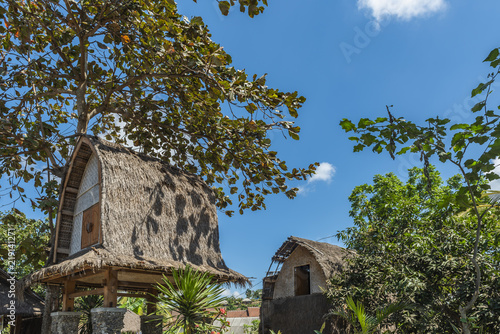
{"x": 293, "y": 299}
{"x": 330, "y": 257}
{"x": 323, "y": 260}
{"x": 30, "y": 306}
{"x": 123, "y": 210}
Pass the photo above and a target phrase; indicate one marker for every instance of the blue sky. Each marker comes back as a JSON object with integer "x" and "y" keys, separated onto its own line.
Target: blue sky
{"x": 349, "y": 59}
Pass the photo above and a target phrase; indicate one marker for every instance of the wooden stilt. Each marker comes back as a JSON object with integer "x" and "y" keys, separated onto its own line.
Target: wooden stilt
{"x": 68, "y": 302}
{"x": 111, "y": 288}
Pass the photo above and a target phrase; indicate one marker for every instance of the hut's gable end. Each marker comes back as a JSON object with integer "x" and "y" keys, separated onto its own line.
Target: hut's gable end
{"x": 86, "y": 217}
{"x": 286, "y": 282}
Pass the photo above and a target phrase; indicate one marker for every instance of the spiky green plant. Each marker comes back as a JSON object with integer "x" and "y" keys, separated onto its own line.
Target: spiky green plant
{"x": 85, "y": 304}
{"x": 191, "y": 295}
{"x": 360, "y": 322}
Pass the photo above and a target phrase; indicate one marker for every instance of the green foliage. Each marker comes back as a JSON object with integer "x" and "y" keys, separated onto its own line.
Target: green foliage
{"x": 454, "y": 143}
{"x": 251, "y": 6}
{"x": 136, "y": 305}
{"x": 360, "y": 322}
{"x": 138, "y": 71}
{"x": 254, "y": 294}
{"x": 470, "y": 147}
{"x": 253, "y": 328}
{"x": 85, "y": 304}
{"x": 31, "y": 238}
{"x": 193, "y": 296}
{"x": 413, "y": 242}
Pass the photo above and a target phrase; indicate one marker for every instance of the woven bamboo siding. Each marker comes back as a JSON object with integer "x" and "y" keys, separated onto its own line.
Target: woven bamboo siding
{"x": 88, "y": 195}
{"x": 67, "y": 206}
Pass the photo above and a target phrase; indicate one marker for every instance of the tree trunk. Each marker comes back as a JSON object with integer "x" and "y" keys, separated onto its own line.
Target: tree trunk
{"x": 51, "y": 305}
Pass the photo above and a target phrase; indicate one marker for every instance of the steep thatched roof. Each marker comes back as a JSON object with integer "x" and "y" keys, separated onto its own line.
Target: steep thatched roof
{"x": 32, "y": 305}
{"x": 153, "y": 216}
{"x": 331, "y": 258}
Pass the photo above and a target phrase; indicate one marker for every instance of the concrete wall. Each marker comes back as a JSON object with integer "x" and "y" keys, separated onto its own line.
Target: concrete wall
{"x": 295, "y": 315}
{"x": 285, "y": 286}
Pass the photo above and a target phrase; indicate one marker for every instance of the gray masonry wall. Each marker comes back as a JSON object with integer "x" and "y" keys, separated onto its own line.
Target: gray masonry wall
{"x": 111, "y": 320}
{"x": 295, "y": 315}
{"x": 65, "y": 322}
{"x": 285, "y": 286}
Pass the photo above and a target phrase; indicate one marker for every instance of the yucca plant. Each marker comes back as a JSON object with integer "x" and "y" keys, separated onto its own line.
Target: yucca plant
{"x": 85, "y": 304}
{"x": 191, "y": 295}
{"x": 360, "y": 322}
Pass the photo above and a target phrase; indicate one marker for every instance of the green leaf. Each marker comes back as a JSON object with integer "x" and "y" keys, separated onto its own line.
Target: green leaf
{"x": 493, "y": 55}
{"x": 102, "y": 46}
{"x": 224, "y": 7}
{"x": 347, "y": 125}
{"x": 197, "y": 20}
{"x": 478, "y": 106}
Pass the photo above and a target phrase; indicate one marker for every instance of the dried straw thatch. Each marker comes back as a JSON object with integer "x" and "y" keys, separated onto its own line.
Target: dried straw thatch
{"x": 331, "y": 258}
{"x": 152, "y": 215}
{"x": 31, "y": 306}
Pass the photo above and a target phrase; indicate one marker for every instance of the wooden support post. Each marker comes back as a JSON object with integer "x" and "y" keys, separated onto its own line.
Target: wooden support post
{"x": 16, "y": 329}
{"x": 68, "y": 302}
{"x": 110, "y": 288}
{"x": 151, "y": 301}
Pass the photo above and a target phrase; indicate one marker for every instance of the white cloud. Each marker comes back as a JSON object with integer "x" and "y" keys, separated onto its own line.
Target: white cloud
{"x": 226, "y": 293}
{"x": 401, "y": 9}
{"x": 324, "y": 172}
{"x": 229, "y": 293}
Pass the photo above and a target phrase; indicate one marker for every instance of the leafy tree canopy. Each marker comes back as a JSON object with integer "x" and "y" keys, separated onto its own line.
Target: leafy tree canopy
{"x": 413, "y": 244}
{"x": 137, "y": 71}
{"x": 471, "y": 147}
{"x": 30, "y": 240}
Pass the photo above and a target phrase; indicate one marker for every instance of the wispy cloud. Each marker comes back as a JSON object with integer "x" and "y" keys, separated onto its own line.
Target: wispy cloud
{"x": 401, "y": 9}
{"x": 230, "y": 293}
{"x": 324, "y": 173}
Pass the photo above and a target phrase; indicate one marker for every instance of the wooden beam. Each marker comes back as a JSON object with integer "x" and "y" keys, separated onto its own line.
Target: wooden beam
{"x": 63, "y": 250}
{"x": 127, "y": 284}
{"x": 111, "y": 288}
{"x": 67, "y": 212}
{"x": 72, "y": 190}
{"x": 134, "y": 295}
{"x": 98, "y": 291}
{"x": 68, "y": 301}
